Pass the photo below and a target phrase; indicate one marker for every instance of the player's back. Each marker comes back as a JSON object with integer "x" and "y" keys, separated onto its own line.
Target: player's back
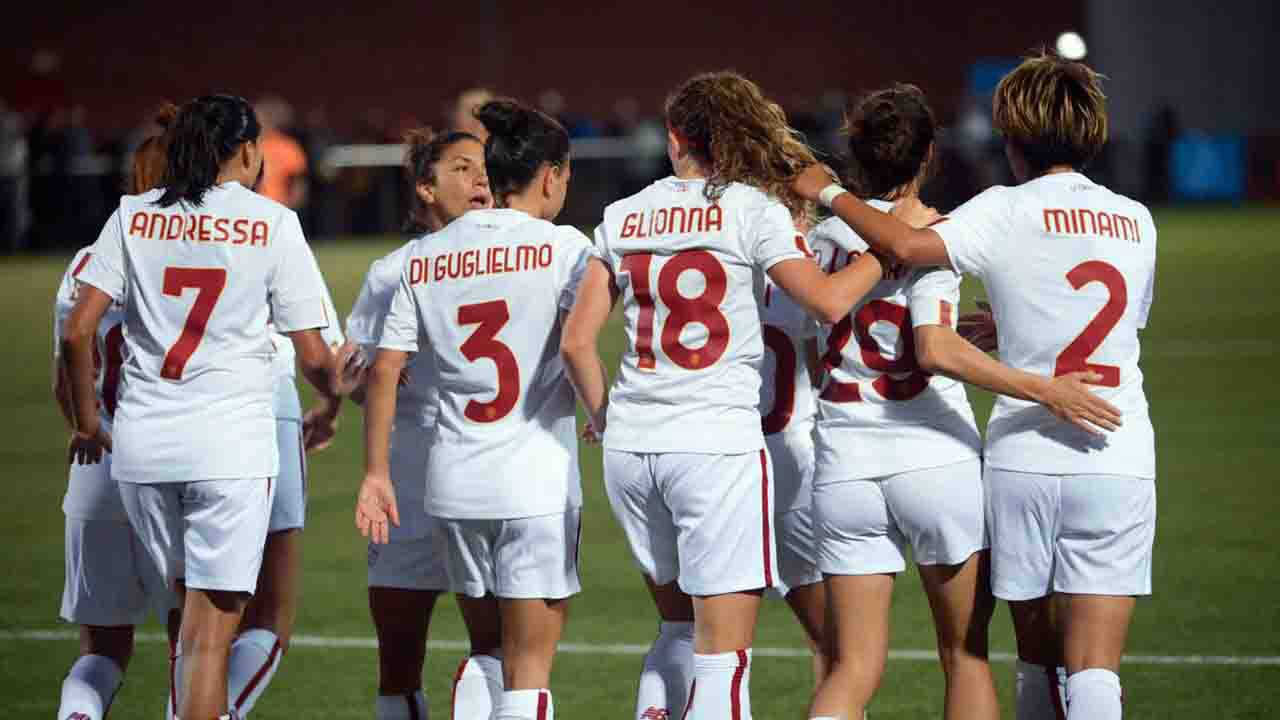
{"x": 1069, "y": 268}
{"x": 489, "y": 291}
{"x": 691, "y": 272}
{"x": 786, "y": 392}
{"x": 197, "y": 374}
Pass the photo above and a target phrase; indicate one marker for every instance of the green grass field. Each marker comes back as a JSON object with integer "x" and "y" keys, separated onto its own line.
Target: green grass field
{"x": 1211, "y": 358}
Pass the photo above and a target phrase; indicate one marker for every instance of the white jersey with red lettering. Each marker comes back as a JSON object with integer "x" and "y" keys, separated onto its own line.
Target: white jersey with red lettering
{"x": 878, "y": 413}
{"x": 787, "y": 405}
{"x": 1069, "y": 268}
{"x": 417, "y": 400}
{"x": 199, "y": 285}
{"x": 93, "y": 496}
{"x": 484, "y": 297}
{"x": 692, "y": 274}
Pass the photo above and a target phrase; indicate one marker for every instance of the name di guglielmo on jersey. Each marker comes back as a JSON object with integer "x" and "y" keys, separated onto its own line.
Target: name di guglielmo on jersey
{"x": 479, "y": 262}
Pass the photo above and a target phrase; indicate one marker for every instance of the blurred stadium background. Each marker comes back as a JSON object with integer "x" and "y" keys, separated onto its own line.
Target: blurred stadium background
{"x": 1195, "y": 132}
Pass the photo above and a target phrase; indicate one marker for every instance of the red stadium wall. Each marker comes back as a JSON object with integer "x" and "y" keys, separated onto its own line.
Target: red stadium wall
{"x": 407, "y": 58}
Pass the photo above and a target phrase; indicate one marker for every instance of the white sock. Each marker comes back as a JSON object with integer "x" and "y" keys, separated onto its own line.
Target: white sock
{"x": 89, "y": 688}
{"x": 175, "y": 672}
{"x": 667, "y": 673}
{"x": 1094, "y": 694}
{"x": 255, "y": 655}
{"x": 402, "y": 707}
{"x": 526, "y": 705}
{"x": 722, "y": 686}
{"x": 1040, "y": 693}
{"x": 477, "y": 687}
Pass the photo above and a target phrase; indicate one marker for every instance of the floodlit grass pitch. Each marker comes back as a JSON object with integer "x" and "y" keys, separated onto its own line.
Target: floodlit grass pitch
{"x": 1211, "y": 358}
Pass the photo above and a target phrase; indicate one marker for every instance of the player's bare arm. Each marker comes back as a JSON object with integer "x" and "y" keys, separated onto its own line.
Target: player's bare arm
{"x": 827, "y": 298}
{"x": 579, "y": 342}
{"x": 62, "y": 391}
{"x": 941, "y": 350}
{"x": 376, "y": 500}
{"x": 89, "y": 439}
{"x": 902, "y": 235}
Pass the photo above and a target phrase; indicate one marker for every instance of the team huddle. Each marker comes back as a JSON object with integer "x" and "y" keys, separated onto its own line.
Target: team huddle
{"x": 789, "y": 416}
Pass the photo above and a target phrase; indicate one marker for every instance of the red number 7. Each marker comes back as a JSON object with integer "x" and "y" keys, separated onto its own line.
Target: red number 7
{"x": 209, "y": 283}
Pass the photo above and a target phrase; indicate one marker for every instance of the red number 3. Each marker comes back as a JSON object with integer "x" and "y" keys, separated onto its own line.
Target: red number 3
{"x": 491, "y": 316}
{"x": 1075, "y": 357}
{"x": 683, "y": 311}
{"x": 209, "y": 283}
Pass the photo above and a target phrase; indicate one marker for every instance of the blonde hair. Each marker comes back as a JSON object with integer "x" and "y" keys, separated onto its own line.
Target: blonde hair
{"x": 1054, "y": 110}
{"x": 146, "y": 169}
{"x": 742, "y": 136}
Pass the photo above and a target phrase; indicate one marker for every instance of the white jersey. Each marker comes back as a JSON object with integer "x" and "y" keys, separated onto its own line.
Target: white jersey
{"x": 286, "y": 405}
{"x": 1069, "y": 268}
{"x": 691, "y": 275}
{"x": 484, "y": 297}
{"x": 198, "y": 285}
{"x": 879, "y": 413}
{"x": 417, "y": 400}
{"x": 786, "y": 392}
{"x": 96, "y": 500}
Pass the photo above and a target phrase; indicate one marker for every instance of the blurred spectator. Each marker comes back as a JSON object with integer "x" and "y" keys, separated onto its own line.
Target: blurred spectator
{"x": 461, "y": 115}
{"x": 285, "y": 174}
{"x": 324, "y": 213}
{"x": 1162, "y": 130}
{"x": 552, "y": 103}
{"x": 14, "y": 213}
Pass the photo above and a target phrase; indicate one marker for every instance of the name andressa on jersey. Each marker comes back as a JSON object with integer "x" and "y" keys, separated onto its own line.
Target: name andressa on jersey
{"x": 478, "y": 262}
{"x": 199, "y": 228}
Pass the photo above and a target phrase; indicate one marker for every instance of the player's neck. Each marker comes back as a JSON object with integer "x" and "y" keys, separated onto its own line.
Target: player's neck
{"x": 688, "y": 168}
{"x": 1058, "y": 169}
{"x": 525, "y": 203}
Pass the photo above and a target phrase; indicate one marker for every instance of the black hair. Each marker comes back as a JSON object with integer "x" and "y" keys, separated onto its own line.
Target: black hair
{"x": 520, "y": 140}
{"x": 891, "y": 132}
{"x": 206, "y": 132}
{"x": 423, "y": 148}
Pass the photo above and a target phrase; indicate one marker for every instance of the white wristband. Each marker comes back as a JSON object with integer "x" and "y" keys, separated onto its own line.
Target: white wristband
{"x": 830, "y": 193}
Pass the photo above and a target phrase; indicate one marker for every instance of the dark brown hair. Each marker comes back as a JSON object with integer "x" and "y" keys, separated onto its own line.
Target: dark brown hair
{"x": 891, "y": 134}
{"x": 520, "y": 140}
{"x": 206, "y": 132}
{"x": 741, "y": 135}
{"x": 1053, "y": 110}
{"x": 423, "y": 148}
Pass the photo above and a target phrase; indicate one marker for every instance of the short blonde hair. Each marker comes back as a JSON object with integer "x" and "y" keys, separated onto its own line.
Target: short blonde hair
{"x": 1054, "y": 110}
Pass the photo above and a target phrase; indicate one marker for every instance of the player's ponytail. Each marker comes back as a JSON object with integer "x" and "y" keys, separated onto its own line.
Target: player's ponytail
{"x": 1053, "y": 110}
{"x": 205, "y": 133}
{"x": 891, "y": 134}
{"x": 741, "y": 136}
{"x": 521, "y": 140}
{"x": 146, "y": 169}
{"x": 423, "y": 148}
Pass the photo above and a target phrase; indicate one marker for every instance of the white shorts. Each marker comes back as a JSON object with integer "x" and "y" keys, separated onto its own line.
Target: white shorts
{"x": 864, "y": 526}
{"x": 520, "y": 559}
{"x": 792, "y": 455}
{"x": 1079, "y": 534}
{"x": 289, "y": 506}
{"x": 208, "y": 533}
{"x": 411, "y": 564}
{"x": 705, "y": 520}
{"x": 109, "y": 577}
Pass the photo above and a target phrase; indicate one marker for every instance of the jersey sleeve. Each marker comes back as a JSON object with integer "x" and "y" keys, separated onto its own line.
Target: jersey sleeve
{"x": 574, "y": 252}
{"x": 771, "y": 236}
{"x": 400, "y": 329}
{"x": 934, "y": 297}
{"x": 105, "y": 269}
{"x": 297, "y": 289}
{"x": 364, "y": 323}
{"x": 333, "y": 334}
{"x": 973, "y": 231}
{"x": 65, "y": 299}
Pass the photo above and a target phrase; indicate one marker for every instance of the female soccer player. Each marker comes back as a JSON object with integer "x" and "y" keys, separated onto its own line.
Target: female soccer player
{"x": 483, "y": 298}
{"x": 1069, "y": 268}
{"x": 446, "y": 175}
{"x": 685, "y": 463}
{"x": 107, "y": 571}
{"x": 200, "y": 266}
{"x": 898, "y": 446}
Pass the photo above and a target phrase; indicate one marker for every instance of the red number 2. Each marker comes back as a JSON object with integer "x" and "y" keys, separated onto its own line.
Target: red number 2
{"x": 683, "y": 311}
{"x": 491, "y": 316}
{"x": 784, "y": 380}
{"x": 209, "y": 283}
{"x": 1075, "y": 357}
